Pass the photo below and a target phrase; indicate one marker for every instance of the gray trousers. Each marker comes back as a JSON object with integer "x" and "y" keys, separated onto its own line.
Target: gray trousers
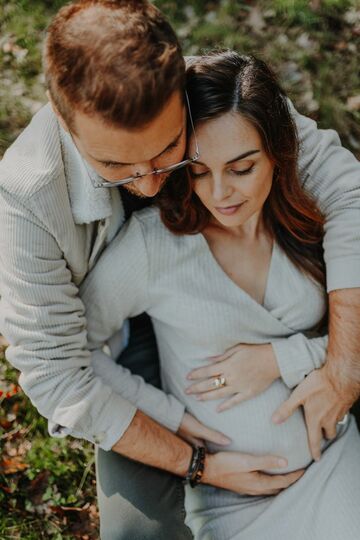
{"x": 137, "y": 502}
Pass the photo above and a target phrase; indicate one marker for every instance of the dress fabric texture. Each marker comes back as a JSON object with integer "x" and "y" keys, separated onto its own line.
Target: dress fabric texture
{"x": 198, "y": 312}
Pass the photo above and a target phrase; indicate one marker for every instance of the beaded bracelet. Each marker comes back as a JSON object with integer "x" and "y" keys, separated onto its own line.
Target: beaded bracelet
{"x": 197, "y": 465}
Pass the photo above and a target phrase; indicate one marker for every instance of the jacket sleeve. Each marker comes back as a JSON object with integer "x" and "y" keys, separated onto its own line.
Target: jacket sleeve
{"x": 298, "y": 355}
{"x": 117, "y": 288}
{"x": 331, "y": 175}
{"x": 43, "y": 319}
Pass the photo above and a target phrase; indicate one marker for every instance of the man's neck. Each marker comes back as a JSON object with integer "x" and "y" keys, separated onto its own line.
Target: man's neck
{"x": 133, "y": 202}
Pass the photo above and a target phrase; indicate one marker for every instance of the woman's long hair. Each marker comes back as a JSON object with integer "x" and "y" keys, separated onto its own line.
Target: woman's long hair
{"x": 223, "y": 82}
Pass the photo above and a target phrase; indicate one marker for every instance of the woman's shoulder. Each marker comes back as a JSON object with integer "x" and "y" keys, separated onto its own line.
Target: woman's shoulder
{"x": 150, "y": 214}
{"x": 149, "y": 220}
{"x": 157, "y": 236}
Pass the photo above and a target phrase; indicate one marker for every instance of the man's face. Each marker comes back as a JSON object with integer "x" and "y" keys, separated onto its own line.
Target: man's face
{"x": 116, "y": 153}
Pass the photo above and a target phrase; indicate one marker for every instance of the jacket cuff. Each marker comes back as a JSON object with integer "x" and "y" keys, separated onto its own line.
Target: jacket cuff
{"x": 107, "y": 429}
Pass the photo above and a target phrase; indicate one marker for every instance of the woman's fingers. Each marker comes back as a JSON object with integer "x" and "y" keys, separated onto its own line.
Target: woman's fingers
{"x": 203, "y": 372}
{"x": 225, "y": 355}
{"x": 220, "y": 393}
{"x": 234, "y": 400}
{"x": 207, "y": 386}
{"x": 211, "y": 435}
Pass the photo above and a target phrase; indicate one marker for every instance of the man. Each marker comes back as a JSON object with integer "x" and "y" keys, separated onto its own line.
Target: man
{"x": 115, "y": 76}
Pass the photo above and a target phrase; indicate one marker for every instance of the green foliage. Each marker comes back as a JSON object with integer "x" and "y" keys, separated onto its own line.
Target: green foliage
{"x": 46, "y": 484}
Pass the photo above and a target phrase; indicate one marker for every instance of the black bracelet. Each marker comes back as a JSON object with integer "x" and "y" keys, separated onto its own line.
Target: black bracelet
{"x": 197, "y": 465}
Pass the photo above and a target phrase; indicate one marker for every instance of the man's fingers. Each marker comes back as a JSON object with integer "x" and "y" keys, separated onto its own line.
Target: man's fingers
{"x": 314, "y": 432}
{"x": 259, "y": 463}
{"x": 287, "y": 408}
{"x": 280, "y": 481}
{"x": 234, "y": 400}
{"x": 330, "y": 431}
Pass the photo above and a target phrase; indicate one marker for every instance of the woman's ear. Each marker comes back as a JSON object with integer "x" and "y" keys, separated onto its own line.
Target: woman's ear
{"x": 56, "y": 112}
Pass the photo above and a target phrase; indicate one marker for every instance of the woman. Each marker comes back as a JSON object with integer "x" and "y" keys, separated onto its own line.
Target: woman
{"x": 244, "y": 266}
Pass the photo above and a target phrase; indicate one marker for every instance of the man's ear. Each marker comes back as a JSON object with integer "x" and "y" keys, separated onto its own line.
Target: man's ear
{"x": 56, "y": 111}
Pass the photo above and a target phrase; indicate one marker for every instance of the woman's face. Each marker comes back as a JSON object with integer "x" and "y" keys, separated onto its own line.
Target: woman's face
{"x": 233, "y": 176}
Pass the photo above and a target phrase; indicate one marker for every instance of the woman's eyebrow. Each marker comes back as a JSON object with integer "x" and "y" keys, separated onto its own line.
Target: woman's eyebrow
{"x": 242, "y": 156}
{"x": 237, "y": 158}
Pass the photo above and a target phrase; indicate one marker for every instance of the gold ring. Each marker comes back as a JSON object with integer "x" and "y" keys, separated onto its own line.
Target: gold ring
{"x": 219, "y": 382}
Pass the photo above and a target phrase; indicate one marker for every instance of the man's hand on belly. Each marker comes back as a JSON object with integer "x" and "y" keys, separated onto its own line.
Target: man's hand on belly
{"x": 323, "y": 408}
{"x": 242, "y": 474}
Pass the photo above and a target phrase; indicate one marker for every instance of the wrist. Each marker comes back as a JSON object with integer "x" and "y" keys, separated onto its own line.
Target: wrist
{"x": 271, "y": 363}
{"x": 210, "y": 469}
{"x": 345, "y": 386}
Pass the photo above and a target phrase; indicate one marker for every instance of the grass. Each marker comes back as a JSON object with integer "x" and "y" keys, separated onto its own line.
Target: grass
{"x": 47, "y": 486}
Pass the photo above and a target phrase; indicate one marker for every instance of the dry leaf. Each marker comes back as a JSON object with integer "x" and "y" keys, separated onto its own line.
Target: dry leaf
{"x": 12, "y": 466}
{"x": 353, "y": 103}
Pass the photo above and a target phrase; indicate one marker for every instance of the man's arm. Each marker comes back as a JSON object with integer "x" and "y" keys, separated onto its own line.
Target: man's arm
{"x": 331, "y": 174}
{"x": 43, "y": 318}
{"x": 228, "y": 470}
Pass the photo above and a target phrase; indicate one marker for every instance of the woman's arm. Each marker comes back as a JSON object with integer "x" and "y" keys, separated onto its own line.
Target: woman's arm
{"x": 116, "y": 289}
{"x": 250, "y": 369}
{"x": 298, "y": 355}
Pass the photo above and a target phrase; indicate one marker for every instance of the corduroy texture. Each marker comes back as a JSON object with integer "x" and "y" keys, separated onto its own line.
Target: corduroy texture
{"x": 54, "y": 225}
{"x": 198, "y": 312}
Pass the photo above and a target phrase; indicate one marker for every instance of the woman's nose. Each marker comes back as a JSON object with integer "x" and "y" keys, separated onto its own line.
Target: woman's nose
{"x": 221, "y": 190}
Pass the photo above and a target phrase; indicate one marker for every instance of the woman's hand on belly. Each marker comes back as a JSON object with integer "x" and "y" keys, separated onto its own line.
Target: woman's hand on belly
{"x": 243, "y": 372}
{"x": 242, "y": 473}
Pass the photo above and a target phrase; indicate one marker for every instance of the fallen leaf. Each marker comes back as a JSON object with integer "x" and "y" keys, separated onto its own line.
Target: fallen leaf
{"x": 353, "y": 103}
{"x": 12, "y": 466}
{"x": 256, "y": 20}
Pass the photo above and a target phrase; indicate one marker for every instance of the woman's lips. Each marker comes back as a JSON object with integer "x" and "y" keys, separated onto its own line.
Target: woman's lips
{"x": 229, "y": 210}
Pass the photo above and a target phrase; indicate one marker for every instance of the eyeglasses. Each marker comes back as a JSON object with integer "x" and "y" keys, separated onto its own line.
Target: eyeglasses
{"x": 99, "y": 182}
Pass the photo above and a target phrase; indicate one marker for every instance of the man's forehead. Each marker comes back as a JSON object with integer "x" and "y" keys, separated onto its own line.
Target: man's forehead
{"x": 112, "y": 143}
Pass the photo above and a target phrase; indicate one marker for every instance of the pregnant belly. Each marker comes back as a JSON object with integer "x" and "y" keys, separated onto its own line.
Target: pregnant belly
{"x": 251, "y": 430}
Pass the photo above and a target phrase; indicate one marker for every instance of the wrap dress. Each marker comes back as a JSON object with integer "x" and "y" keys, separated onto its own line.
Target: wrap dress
{"x": 198, "y": 312}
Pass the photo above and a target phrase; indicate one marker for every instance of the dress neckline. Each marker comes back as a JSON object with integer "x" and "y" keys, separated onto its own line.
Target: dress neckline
{"x": 225, "y": 275}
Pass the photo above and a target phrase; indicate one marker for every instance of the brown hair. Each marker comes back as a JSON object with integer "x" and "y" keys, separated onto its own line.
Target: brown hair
{"x": 225, "y": 81}
{"x": 119, "y": 59}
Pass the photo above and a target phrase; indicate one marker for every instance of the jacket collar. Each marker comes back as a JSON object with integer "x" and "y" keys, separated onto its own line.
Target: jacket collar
{"x": 87, "y": 202}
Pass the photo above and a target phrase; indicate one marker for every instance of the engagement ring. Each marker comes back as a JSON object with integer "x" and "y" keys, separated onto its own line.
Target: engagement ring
{"x": 219, "y": 382}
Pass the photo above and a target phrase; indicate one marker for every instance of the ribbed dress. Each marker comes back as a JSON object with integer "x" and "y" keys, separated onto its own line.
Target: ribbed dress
{"x": 198, "y": 312}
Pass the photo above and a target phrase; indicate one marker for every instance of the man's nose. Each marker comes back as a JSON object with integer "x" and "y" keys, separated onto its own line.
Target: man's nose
{"x": 150, "y": 184}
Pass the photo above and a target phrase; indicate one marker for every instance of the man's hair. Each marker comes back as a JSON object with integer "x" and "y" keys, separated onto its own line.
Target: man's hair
{"x": 118, "y": 59}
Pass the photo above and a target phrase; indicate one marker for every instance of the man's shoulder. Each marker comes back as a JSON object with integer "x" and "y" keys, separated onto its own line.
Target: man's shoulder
{"x": 34, "y": 160}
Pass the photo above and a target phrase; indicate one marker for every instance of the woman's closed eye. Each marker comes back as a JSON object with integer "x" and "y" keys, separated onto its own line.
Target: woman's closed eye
{"x": 197, "y": 172}
{"x": 240, "y": 172}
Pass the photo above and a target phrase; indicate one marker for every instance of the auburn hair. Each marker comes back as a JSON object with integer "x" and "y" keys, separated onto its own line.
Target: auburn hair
{"x": 119, "y": 59}
{"x": 222, "y": 82}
